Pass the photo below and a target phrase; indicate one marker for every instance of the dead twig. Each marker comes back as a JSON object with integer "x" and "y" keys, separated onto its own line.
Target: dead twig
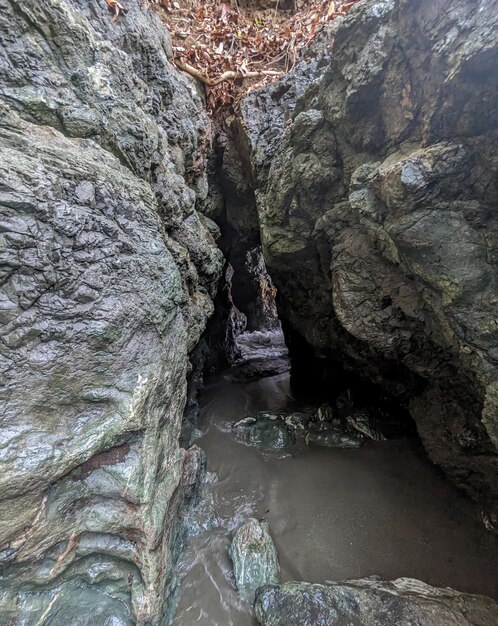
{"x": 228, "y": 45}
{"x": 228, "y": 75}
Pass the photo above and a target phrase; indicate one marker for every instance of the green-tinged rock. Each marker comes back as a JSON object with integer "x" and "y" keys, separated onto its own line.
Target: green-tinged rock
{"x": 373, "y": 178}
{"x": 71, "y": 604}
{"x": 282, "y": 429}
{"x": 254, "y": 557}
{"x": 108, "y": 275}
{"x": 265, "y": 431}
{"x": 371, "y": 602}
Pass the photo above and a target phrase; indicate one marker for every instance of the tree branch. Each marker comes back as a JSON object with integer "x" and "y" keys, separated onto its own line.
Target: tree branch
{"x": 230, "y": 75}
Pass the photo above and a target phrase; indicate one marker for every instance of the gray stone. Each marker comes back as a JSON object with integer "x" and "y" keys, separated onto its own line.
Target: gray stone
{"x": 263, "y": 431}
{"x": 333, "y": 439}
{"x": 373, "y": 184}
{"x": 108, "y": 275}
{"x": 371, "y": 602}
{"x": 254, "y": 557}
{"x": 318, "y": 426}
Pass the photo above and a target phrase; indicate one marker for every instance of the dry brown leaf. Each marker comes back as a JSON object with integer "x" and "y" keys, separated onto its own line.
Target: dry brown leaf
{"x": 227, "y": 48}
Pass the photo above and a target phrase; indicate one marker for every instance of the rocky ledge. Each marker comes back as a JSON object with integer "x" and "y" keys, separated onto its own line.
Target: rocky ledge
{"x": 371, "y": 602}
{"x": 108, "y": 274}
{"x": 373, "y": 179}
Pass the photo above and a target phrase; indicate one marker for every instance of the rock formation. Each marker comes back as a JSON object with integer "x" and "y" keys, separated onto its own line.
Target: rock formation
{"x": 371, "y": 602}
{"x": 254, "y": 557}
{"x": 108, "y": 276}
{"x": 373, "y": 173}
{"x": 368, "y": 176}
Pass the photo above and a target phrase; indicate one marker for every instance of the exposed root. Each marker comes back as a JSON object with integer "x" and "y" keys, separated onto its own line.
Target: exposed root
{"x": 229, "y": 75}
{"x": 228, "y": 46}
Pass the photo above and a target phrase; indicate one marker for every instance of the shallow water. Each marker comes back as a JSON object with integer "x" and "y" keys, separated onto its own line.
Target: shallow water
{"x": 334, "y": 514}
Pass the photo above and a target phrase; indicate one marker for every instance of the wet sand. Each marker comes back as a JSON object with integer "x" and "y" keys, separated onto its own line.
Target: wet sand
{"x": 334, "y": 514}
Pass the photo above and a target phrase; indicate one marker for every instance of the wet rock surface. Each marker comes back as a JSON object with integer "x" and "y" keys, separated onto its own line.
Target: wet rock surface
{"x": 372, "y": 180}
{"x": 372, "y": 190}
{"x": 260, "y": 354}
{"x": 254, "y": 557}
{"x": 266, "y": 430}
{"x": 371, "y": 602}
{"x": 334, "y": 514}
{"x": 283, "y": 430}
{"x": 341, "y": 426}
{"x": 108, "y": 275}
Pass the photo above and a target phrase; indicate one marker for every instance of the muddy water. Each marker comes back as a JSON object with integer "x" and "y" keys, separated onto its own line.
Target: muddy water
{"x": 334, "y": 514}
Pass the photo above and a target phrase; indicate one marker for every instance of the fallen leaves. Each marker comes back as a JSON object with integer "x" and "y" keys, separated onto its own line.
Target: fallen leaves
{"x": 228, "y": 46}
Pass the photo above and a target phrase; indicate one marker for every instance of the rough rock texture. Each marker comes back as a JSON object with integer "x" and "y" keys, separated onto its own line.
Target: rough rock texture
{"x": 375, "y": 180}
{"x": 318, "y": 426}
{"x": 108, "y": 275}
{"x": 264, "y": 430}
{"x": 262, "y": 353}
{"x": 371, "y": 602}
{"x": 254, "y": 557}
{"x": 253, "y": 290}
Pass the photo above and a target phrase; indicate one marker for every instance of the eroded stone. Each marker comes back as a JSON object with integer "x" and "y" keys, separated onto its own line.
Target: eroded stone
{"x": 371, "y": 602}
{"x": 254, "y": 557}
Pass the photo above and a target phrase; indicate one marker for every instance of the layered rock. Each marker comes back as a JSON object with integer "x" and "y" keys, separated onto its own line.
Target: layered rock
{"x": 374, "y": 177}
{"x": 108, "y": 276}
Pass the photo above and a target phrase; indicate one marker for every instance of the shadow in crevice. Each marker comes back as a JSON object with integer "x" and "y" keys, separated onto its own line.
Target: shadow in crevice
{"x": 326, "y": 381}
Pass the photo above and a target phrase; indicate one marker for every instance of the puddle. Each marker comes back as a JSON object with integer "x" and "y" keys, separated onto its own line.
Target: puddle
{"x": 334, "y": 514}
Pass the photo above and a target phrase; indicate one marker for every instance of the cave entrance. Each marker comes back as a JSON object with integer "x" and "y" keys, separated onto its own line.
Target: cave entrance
{"x": 258, "y": 345}
{"x": 342, "y": 499}
{"x": 263, "y": 346}
{"x": 330, "y": 460}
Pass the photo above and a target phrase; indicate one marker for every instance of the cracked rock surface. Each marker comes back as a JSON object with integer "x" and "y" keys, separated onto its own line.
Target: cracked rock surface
{"x": 374, "y": 169}
{"x": 108, "y": 273}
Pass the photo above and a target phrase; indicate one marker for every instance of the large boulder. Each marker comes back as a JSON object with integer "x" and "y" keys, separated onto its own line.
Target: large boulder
{"x": 254, "y": 557}
{"x": 375, "y": 185}
{"x": 108, "y": 274}
{"x": 371, "y": 602}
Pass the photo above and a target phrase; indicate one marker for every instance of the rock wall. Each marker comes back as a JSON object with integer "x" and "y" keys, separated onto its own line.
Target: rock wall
{"x": 375, "y": 183}
{"x": 108, "y": 276}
